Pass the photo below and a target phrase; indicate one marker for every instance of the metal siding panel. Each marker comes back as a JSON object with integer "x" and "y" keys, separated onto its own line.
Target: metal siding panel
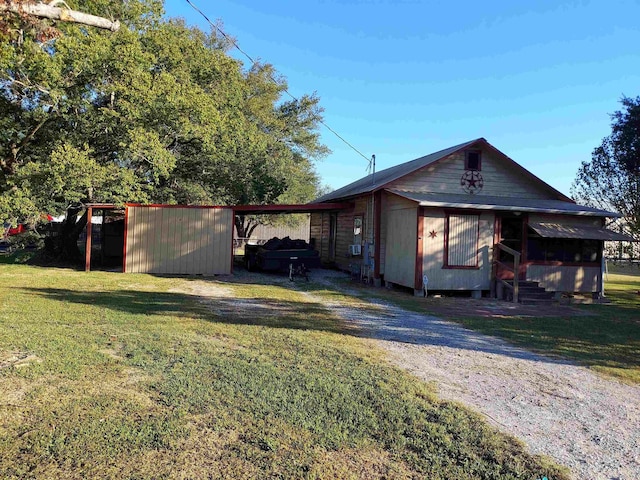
{"x": 194, "y": 240}
{"x": 131, "y": 261}
{"x": 152, "y": 238}
{"x": 169, "y": 240}
{"x": 207, "y": 249}
{"x": 213, "y": 247}
{"x": 131, "y": 264}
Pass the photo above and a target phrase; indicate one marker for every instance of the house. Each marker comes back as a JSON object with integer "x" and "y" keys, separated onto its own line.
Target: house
{"x": 464, "y": 218}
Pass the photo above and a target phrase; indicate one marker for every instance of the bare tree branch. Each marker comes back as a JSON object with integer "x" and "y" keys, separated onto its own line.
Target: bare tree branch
{"x": 56, "y": 13}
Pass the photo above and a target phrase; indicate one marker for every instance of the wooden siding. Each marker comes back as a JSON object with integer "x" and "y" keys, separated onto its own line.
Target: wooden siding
{"x": 433, "y": 255}
{"x": 402, "y": 235}
{"x": 320, "y": 232}
{"x": 390, "y": 203}
{"x": 179, "y": 240}
{"x": 565, "y": 279}
{"x": 500, "y": 179}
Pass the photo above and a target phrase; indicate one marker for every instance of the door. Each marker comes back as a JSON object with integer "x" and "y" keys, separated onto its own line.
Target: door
{"x": 510, "y": 232}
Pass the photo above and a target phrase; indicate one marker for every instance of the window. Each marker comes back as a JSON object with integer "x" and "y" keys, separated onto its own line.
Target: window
{"x": 357, "y": 230}
{"x": 566, "y": 250}
{"x": 461, "y": 241}
{"x": 473, "y": 160}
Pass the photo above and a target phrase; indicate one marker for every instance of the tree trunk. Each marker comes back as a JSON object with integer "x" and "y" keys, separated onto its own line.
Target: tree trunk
{"x": 64, "y": 246}
{"x": 245, "y": 225}
{"x": 55, "y": 13}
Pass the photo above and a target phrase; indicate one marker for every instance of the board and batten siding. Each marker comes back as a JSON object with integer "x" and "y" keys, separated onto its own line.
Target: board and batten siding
{"x": 500, "y": 179}
{"x": 391, "y": 203}
{"x": 400, "y": 244}
{"x": 433, "y": 254}
{"x": 179, "y": 240}
{"x": 565, "y": 278}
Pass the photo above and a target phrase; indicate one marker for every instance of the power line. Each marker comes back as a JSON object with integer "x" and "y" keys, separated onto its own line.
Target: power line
{"x": 253, "y": 62}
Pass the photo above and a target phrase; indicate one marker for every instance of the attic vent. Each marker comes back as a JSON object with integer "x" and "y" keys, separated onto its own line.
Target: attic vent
{"x": 472, "y": 160}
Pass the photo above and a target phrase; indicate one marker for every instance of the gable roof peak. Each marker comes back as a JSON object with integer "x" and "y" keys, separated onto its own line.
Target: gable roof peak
{"x": 373, "y": 182}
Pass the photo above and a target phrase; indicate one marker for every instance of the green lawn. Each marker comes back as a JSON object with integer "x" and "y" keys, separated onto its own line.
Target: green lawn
{"x": 606, "y": 338}
{"x": 106, "y": 375}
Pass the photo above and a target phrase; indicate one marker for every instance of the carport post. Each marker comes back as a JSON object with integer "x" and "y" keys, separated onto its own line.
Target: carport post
{"x": 87, "y": 249}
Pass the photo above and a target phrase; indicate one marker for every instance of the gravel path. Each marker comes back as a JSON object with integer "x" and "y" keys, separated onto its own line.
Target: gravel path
{"x": 589, "y": 423}
{"x": 586, "y": 422}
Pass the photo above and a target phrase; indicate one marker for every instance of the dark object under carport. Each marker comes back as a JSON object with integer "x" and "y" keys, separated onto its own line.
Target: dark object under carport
{"x": 296, "y": 257}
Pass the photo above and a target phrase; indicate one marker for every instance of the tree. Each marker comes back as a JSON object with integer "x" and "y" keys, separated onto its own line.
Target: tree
{"x": 27, "y": 8}
{"x": 611, "y": 180}
{"x": 155, "y": 112}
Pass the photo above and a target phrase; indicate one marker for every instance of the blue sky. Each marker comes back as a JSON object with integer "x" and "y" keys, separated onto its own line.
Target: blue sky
{"x": 401, "y": 79}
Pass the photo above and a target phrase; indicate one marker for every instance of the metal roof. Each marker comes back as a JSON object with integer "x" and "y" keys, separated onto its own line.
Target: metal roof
{"x": 555, "y": 230}
{"x": 381, "y": 178}
{"x": 480, "y": 202}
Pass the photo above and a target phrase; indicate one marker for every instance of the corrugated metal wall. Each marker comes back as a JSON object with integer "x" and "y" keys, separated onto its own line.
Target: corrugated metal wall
{"x": 565, "y": 278}
{"x": 463, "y": 240}
{"x": 179, "y": 240}
{"x": 267, "y": 232}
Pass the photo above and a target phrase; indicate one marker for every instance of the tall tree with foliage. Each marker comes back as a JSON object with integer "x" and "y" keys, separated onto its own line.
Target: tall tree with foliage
{"x": 611, "y": 180}
{"x": 155, "y": 112}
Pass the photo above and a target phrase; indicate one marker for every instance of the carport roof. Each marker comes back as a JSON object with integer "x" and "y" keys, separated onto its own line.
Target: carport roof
{"x": 246, "y": 209}
{"x": 295, "y": 208}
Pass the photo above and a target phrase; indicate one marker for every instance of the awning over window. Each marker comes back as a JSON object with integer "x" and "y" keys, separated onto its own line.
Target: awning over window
{"x": 555, "y": 230}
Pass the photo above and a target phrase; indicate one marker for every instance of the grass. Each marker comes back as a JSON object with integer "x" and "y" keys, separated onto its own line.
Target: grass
{"x": 107, "y": 375}
{"x": 605, "y": 338}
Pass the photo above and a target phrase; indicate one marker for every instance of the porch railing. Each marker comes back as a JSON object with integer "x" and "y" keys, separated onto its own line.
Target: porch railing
{"x": 495, "y": 281}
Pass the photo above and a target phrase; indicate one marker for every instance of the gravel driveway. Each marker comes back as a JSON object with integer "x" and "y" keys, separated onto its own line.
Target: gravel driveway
{"x": 584, "y": 421}
{"x": 587, "y": 422}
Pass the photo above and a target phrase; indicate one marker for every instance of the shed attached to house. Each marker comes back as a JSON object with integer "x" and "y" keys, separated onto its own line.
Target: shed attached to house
{"x": 457, "y": 219}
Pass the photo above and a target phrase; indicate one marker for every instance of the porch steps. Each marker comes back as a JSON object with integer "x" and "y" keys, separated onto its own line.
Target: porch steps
{"x": 531, "y": 293}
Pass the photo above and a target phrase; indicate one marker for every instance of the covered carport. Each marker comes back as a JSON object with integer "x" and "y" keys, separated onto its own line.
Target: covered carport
{"x": 183, "y": 239}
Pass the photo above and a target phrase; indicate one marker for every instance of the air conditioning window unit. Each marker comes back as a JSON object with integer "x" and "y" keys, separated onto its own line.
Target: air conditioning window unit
{"x": 355, "y": 250}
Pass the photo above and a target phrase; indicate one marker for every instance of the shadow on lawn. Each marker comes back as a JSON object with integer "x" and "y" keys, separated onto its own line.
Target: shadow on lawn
{"x": 378, "y": 320}
{"x": 134, "y": 302}
{"x": 231, "y": 310}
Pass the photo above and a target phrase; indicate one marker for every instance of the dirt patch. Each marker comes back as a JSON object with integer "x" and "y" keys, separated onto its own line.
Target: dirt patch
{"x": 485, "y": 307}
{"x": 17, "y": 359}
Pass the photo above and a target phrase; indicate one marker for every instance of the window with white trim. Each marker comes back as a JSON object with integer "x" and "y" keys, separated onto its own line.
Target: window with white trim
{"x": 462, "y": 240}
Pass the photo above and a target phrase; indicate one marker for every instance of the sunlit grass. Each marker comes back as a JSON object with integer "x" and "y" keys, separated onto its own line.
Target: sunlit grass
{"x": 606, "y": 337}
{"x": 108, "y": 375}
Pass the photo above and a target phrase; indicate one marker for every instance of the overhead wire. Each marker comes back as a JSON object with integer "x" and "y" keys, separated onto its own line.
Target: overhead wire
{"x": 253, "y": 62}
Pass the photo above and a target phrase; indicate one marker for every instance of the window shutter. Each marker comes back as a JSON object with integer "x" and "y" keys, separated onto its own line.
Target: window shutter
{"x": 463, "y": 241}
